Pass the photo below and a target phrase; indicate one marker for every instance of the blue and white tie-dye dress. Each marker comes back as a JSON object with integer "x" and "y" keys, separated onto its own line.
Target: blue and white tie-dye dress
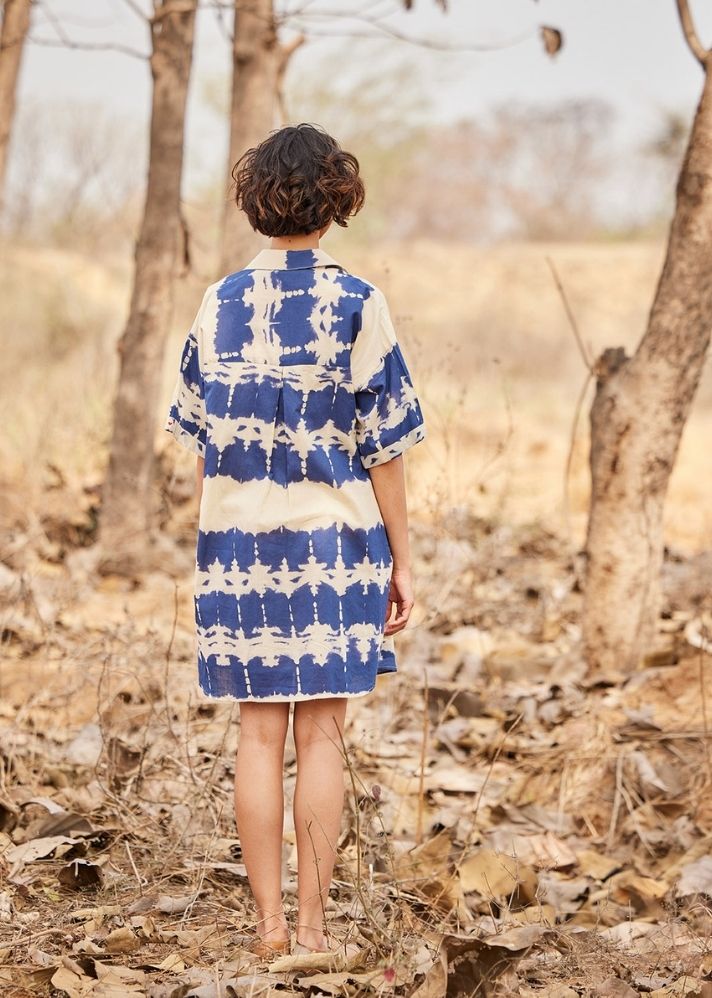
{"x": 291, "y": 386}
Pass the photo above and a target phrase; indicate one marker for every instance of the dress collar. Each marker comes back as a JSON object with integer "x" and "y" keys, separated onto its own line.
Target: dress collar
{"x": 291, "y": 259}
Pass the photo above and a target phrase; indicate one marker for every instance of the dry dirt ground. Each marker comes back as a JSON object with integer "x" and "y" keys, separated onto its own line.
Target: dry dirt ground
{"x": 512, "y": 828}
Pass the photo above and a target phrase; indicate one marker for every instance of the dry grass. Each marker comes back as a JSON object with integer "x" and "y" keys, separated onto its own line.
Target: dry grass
{"x": 486, "y": 336}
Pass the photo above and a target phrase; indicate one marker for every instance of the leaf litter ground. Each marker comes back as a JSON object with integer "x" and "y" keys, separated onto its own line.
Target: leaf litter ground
{"x": 512, "y": 827}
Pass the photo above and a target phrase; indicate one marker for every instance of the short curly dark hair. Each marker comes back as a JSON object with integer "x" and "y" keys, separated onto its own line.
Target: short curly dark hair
{"x": 297, "y": 181}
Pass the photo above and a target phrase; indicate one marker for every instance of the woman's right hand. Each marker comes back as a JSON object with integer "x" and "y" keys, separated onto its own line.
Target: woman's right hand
{"x": 400, "y": 595}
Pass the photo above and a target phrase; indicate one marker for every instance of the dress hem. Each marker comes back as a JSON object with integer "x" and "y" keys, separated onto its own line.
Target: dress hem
{"x": 281, "y": 697}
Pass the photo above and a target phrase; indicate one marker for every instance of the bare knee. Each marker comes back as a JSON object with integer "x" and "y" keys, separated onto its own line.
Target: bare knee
{"x": 264, "y": 724}
{"x": 319, "y": 723}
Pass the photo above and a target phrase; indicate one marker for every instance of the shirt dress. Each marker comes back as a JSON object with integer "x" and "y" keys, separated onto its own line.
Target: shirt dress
{"x": 292, "y": 384}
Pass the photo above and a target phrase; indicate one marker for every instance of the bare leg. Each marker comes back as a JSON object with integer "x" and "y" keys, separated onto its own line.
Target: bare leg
{"x": 318, "y": 803}
{"x": 259, "y": 809}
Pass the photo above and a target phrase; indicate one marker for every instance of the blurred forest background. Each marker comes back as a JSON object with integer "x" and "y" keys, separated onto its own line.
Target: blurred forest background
{"x": 531, "y": 826}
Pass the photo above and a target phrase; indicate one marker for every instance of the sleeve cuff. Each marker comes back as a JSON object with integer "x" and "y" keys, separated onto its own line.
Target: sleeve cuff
{"x": 190, "y": 441}
{"x": 385, "y": 454}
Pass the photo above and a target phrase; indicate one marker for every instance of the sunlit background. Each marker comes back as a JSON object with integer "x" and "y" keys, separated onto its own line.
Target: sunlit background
{"x": 483, "y": 158}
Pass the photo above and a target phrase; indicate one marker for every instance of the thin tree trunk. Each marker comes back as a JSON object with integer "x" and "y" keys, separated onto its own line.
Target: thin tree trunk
{"x": 129, "y": 503}
{"x": 255, "y": 57}
{"x": 15, "y": 25}
{"x": 637, "y": 418}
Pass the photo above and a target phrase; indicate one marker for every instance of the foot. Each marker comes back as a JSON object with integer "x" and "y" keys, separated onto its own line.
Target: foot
{"x": 268, "y": 951}
{"x": 312, "y": 938}
{"x": 272, "y": 928}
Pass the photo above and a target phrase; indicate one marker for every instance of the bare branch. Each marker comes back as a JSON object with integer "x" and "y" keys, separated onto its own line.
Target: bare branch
{"x": 64, "y": 41}
{"x": 286, "y": 51}
{"x": 133, "y": 6}
{"x": 54, "y": 21}
{"x": 88, "y": 46}
{"x": 385, "y": 29}
{"x": 692, "y": 38}
{"x": 370, "y": 13}
{"x": 570, "y": 315}
{"x": 219, "y": 11}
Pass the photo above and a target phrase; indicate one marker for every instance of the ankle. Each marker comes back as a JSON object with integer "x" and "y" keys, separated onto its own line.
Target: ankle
{"x": 311, "y": 934}
{"x": 273, "y": 911}
{"x": 271, "y": 922}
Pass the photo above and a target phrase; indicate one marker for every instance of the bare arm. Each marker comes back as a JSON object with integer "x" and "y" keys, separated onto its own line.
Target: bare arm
{"x": 388, "y": 482}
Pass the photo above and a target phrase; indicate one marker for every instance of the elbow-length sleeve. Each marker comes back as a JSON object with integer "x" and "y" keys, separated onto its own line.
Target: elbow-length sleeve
{"x": 187, "y": 419}
{"x": 389, "y": 418}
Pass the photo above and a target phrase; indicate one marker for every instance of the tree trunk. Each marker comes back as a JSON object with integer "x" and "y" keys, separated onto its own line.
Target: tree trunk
{"x": 255, "y": 56}
{"x": 15, "y": 25}
{"x": 637, "y": 417}
{"x": 128, "y": 505}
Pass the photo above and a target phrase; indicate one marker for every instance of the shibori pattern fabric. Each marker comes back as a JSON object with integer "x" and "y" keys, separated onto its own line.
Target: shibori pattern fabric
{"x": 292, "y": 384}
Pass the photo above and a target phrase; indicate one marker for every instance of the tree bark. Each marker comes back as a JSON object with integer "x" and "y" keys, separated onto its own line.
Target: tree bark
{"x": 637, "y": 417}
{"x": 129, "y": 501}
{"x": 15, "y": 25}
{"x": 255, "y": 66}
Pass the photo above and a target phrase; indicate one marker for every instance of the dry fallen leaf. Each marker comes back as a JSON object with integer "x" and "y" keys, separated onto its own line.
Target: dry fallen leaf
{"x": 435, "y": 983}
{"x": 145, "y": 925}
{"x": 80, "y": 874}
{"x": 596, "y": 865}
{"x": 539, "y": 850}
{"x": 74, "y": 984}
{"x": 87, "y": 946}
{"x": 86, "y": 747}
{"x": 122, "y": 940}
{"x": 173, "y": 962}
{"x": 97, "y": 914}
{"x": 498, "y": 875}
{"x": 695, "y": 878}
{"x": 685, "y": 986}
{"x": 552, "y": 38}
{"x": 432, "y": 856}
{"x": 189, "y": 938}
{"x": 174, "y": 905}
{"x": 35, "y": 849}
{"x": 615, "y": 988}
{"x": 629, "y": 888}
{"x": 117, "y": 981}
{"x": 627, "y": 933}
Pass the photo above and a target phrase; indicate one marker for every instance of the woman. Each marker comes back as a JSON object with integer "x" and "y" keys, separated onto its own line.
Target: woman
{"x": 295, "y": 396}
